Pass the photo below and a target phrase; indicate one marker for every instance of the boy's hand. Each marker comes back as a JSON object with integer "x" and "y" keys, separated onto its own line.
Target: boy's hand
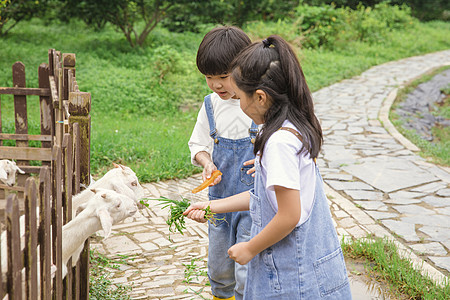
{"x": 251, "y": 170}
{"x": 207, "y": 171}
{"x": 241, "y": 253}
{"x": 196, "y": 212}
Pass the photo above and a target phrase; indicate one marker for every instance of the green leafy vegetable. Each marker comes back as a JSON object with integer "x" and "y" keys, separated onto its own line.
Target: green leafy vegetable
{"x": 176, "y": 220}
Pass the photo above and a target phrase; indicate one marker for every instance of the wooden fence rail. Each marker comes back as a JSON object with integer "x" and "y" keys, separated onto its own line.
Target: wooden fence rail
{"x": 56, "y": 163}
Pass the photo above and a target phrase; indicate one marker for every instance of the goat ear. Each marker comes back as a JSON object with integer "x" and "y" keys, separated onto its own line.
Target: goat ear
{"x": 3, "y": 174}
{"x": 121, "y": 188}
{"x": 19, "y": 170}
{"x": 106, "y": 221}
{"x": 116, "y": 165}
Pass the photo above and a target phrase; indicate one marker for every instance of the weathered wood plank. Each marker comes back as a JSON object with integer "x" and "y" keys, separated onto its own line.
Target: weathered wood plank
{"x": 47, "y": 116}
{"x": 22, "y": 91}
{"x": 30, "y": 252}
{"x": 45, "y": 232}
{"x": 14, "y": 275}
{"x": 25, "y": 137}
{"x": 57, "y": 224}
{"x": 12, "y": 188}
{"x": 26, "y": 153}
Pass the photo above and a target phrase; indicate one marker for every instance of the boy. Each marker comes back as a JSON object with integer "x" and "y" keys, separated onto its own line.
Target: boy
{"x": 223, "y": 139}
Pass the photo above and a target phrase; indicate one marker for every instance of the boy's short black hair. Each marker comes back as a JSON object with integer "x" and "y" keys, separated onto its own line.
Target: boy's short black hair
{"x": 218, "y": 49}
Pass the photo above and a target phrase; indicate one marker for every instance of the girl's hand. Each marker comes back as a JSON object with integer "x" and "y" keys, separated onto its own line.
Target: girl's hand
{"x": 207, "y": 171}
{"x": 241, "y": 253}
{"x": 196, "y": 212}
{"x": 251, "y": 170}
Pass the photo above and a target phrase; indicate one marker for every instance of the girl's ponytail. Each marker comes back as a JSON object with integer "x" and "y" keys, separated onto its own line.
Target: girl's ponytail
{"x": 272, "y": 66}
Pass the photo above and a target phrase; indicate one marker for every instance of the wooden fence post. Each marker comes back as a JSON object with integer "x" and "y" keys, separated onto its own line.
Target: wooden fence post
{"x": 30, "y": 255}
{"x": 45, "y": 232}
{"x": 79, "y": 109}
{"x": 20, "y": 114}
{"x": 14, "y": 250}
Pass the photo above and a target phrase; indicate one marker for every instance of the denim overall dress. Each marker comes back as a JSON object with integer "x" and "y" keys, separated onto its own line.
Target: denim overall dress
{"x": 227, "y": 278}
{"x": 307, "y": 264}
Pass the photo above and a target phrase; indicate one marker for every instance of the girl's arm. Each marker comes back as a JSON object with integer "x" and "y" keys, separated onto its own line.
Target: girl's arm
{"x": 238, "y": 202}
{"x": 279, "y": 227}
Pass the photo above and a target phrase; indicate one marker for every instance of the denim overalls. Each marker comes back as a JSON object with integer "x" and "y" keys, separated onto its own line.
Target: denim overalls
{"x": 227, "y": 278}
{"x": 307, "y": 264}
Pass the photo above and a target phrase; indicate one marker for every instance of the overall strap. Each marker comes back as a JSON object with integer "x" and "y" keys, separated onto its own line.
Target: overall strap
{"x": 210, "y": 115}
{"x": 297, "y": 134}
{"x": 253, "y": 131}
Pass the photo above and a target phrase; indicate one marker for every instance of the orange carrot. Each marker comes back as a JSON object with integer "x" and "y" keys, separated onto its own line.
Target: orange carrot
{"x": 207, "y": 182}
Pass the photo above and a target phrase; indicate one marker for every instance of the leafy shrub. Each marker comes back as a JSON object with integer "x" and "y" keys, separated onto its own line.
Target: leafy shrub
{"x": 372, "y": 24}
{"x": 331, "y": 27}
{"x": 165, "y": 59}
{"x": 287, "y": 29}
{"x": 320, "y": 25}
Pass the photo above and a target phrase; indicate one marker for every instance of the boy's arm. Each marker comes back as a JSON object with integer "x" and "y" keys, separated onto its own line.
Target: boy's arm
{"x": 279, "y": 227}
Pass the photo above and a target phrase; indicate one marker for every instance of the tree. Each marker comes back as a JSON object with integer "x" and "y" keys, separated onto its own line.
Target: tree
{"x": 12, "y": 12}
{"x": 126, "y": 15}
{"x": 187, "y": 16}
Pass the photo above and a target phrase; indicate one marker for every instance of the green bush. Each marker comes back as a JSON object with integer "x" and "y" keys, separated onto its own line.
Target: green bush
{"x": 331, "y": 27}
{"x": 321, "y": 25}
{"x": 372, "y": 24}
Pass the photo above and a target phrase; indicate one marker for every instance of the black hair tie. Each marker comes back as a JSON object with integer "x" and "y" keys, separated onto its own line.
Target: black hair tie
{"x": 266, "y": 43}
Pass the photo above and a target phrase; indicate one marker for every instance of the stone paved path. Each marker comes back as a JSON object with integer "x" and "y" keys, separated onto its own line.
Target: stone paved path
{"x": 375, "y": 181}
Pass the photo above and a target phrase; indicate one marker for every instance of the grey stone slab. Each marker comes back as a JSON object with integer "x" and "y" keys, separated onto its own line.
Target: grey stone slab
{"x": 436, "y": 201}
{"x": 430, "y": 187}
{"x": 389, "y": 174}
{"x": 443, "y": 193}
{"x": 412, "y": 210}
{"x": 441, "y": 262}
{"x": 337, "y": 176}
{"x": 443, "y": 211}
{"x": 405, "y": 230}
{"x": 405, "y": 195}
{"x": 348, "y": 185}
{"x": 402, "y": 201}
{"x": 364, "y": 195}
{"x": 436, "y": 233}
{"x": 372, "y": 205}
{"x": 371, "y": 152}
{"x": 378, "y": 215}
{"x": 436, "y": 220}
{"x": 120, "y": 244}
{"x": 433, "y": 248}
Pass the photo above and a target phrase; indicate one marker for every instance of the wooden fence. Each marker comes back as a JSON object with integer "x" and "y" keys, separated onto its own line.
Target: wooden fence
{"x": 56, "y": 162}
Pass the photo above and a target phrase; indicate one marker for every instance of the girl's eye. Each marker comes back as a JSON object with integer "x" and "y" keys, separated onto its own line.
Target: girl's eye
{"x": 224, "y": 77}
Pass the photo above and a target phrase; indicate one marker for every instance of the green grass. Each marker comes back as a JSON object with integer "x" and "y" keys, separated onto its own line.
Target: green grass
{"x": 100, "y": 284}
{"x": 437, "y": 151}
{"x": 140, "y": 92}
{"x": 385, "y": 264}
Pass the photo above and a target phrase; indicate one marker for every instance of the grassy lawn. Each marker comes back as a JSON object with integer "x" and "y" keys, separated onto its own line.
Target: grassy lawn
{"x": 137, "y": 94}
{"x": 397, "y": 273}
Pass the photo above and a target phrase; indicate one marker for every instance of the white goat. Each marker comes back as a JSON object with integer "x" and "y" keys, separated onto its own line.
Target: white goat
{"x": 8, "y": 170}
{"x": 121, "y": 179}
{"x": 103, "y": 210}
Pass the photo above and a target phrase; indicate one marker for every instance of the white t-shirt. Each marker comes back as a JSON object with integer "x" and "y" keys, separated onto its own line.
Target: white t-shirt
{"x": 231, "y": 123}
{"x": 282, "y": 166}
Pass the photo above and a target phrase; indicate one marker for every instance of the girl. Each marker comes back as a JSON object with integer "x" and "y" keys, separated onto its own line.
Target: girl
{"x": 294, "y": 252}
